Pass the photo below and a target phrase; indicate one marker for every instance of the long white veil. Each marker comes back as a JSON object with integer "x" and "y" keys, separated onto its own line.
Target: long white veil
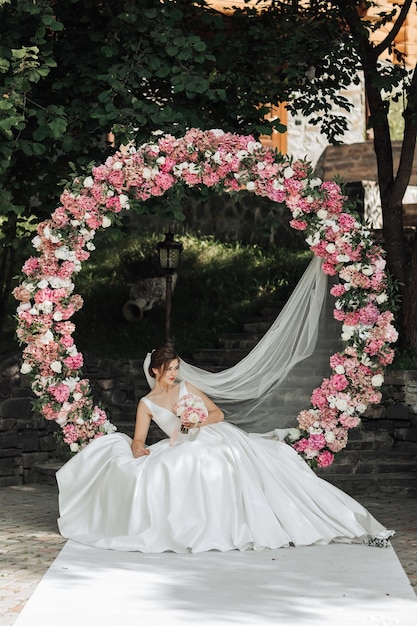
{"x": 267, "y": 389}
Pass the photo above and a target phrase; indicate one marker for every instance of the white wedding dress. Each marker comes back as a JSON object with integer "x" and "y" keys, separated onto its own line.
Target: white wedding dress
{"x": 222, "y": 490}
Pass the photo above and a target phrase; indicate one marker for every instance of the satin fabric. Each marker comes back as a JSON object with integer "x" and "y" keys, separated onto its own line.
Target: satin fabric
{"x": 223, "y": 490}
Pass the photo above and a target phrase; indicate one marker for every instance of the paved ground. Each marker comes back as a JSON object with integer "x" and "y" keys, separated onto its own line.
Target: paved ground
{"x": 29, "y": 541}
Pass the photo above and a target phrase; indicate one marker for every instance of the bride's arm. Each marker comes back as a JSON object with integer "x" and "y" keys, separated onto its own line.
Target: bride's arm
{"x": 214, "y": 413}
{"x": 143, "y": 420}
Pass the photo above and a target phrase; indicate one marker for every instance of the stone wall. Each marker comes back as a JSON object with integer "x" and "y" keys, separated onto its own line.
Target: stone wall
{"x": 27, "y": 440}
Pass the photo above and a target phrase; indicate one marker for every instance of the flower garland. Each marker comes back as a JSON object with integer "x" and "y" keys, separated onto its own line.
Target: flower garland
{"x": 224, "y": 162}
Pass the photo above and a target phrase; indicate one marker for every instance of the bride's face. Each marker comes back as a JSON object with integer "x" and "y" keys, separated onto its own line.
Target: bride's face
{"x": 168, "y": 375}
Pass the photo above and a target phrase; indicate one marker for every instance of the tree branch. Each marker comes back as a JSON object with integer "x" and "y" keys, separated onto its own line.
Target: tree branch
{"x": 409, "y": 141}
{"x": 385, "y": 43}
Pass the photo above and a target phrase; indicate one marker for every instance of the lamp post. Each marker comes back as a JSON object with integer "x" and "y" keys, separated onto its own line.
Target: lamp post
{"x": 169, "y": 252}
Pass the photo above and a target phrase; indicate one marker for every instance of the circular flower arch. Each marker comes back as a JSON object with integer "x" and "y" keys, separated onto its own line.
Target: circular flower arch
{"x": 223, "y": 162}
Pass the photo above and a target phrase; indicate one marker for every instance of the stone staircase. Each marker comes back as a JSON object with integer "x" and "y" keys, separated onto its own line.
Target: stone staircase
{"x": 372, "y": 462}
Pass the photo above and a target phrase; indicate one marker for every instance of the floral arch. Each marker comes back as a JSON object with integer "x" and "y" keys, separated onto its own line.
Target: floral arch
{"x": 224, "y": 162}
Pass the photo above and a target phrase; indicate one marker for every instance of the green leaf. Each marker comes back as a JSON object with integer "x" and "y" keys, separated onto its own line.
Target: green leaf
{"x": 4, "y": 65}
{"x": 172, "y": 50}
{"x": 6, "y": 104}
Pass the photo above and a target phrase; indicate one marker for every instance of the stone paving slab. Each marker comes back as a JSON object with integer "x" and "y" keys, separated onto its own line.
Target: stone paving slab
{"x": 30, "y": 542}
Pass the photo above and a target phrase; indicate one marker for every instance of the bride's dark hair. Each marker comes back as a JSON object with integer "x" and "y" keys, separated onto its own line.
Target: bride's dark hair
{"x": 161, "y": 357}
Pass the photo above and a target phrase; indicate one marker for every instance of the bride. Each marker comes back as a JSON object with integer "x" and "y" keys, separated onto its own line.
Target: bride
{"x": 207, "y": 486}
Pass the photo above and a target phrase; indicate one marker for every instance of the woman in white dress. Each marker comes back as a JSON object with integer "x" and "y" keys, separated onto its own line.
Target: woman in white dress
{"x": 216, "y": 488}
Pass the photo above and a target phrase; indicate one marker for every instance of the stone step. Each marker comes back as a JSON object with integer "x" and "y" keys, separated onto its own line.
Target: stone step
{"x": 214, "y": 356}
{"x": 241, "y": 341}
{"x": 257, "y": 325}
{"x": 373, "y": 462}
{"x": 44, "y": 473}
{"x": 400, "y": 483}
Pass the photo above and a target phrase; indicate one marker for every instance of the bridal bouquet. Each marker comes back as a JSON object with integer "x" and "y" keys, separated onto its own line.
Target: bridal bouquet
{"x": 189, "y": 409}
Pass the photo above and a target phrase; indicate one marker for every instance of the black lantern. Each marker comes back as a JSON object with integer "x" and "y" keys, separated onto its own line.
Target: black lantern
{"x": 169, "y": 252}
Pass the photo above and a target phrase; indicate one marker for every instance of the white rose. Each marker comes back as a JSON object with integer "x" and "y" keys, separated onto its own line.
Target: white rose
{"x": 254, "y": 145}
{"x": 250, "y": 186}
{"x": 343, "y": 258}
{"x": 330, "y": 437}
{"x": 341, "y": 404}
{"x": 63, "y": 253}
{"x": 315, "y": 431}
{"x": 57, "y": 316}
{"x": 77, "y": 396}
{"x": 330, "y": 248}
{"x": 71, "y": 382}
{"x": 42, "y": 284}
{"x": 124, "y": 199}
{"x": 109, "y": 427}
{"x": 37, "y": 242}
{"x": 347, "y": 332}
{"x": 46, "y": 338}
{"x": 26, "y": 368}
{"x": 216, "y": 157}
{"x": 360, "y": 408}
{"x": 47, "y": 306}
{"x": 79, "y": 421}
{"x": 24, "y": 307}
{"x": 88, "y": 182}
{"x": 74, "y": 447}
{"x": 90, "y": 246}
{"x": 339, "y": 369}
{"x": 377, "y": 380}
{"x": 293, "y": 434}
{"x": 313, "y": 240}
{"x": 56, "y": 366}
{"x": 381, "y": 297}
{"x": 288, "y": 172}
{"x": 75, "y": 223}
{"x": 106, "y": 222}
{"x": 147, "y": 173}
{"x": 322, "y": 214}
{"x": 117, "y": 165}
{"x": 61, "y": 420}
{"x": 277, "y": 185}
{"x": 367, "y": 270}
{"x": 315, "y": 182}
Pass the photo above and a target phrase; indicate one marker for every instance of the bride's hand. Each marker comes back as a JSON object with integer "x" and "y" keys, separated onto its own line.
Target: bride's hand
{"x": 138, "y": 449}
{"x": 191, "y": 424}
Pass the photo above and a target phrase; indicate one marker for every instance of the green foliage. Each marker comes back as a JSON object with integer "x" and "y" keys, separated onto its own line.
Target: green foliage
{"x": 218, "y": 284}
{"x": 74, "y": 70}
{"x": 404, "y": 360}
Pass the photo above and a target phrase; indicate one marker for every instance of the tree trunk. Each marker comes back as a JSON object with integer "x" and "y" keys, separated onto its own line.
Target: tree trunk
{"x": 409, "y": 308}
{"x": 7, "y": 268}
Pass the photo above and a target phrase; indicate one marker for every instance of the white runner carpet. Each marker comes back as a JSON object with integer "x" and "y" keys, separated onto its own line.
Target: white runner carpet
{"x": 341, "y": 585}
